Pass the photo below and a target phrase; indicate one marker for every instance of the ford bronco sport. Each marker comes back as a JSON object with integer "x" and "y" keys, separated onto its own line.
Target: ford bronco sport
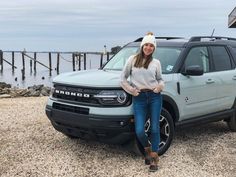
{"x": 200, "y": 87}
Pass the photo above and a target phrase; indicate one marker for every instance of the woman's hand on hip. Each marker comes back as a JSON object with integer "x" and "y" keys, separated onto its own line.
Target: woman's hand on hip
{"x": 135, "y": 91}
{"x": 158, "y": 89}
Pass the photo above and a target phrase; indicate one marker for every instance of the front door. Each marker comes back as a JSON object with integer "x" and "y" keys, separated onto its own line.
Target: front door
{"x": 198, "y": 93}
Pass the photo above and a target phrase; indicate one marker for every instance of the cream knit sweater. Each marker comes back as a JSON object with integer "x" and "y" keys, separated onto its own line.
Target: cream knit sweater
{"x": 141, "y": 78}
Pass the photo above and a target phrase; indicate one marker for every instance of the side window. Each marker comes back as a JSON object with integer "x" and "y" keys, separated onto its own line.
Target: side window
{"x": 198, "y": 56}
{"x": 234, "y": 53}
{"x": 221, "y": 58}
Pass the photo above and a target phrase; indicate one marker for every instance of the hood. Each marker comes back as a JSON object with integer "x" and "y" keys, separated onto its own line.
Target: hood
{"x": 95, "y": 78}
{"x": 90, "y": 78}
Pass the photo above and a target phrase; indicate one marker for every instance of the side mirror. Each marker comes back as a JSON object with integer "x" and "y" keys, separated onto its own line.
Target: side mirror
{"x": 193, "y": 70}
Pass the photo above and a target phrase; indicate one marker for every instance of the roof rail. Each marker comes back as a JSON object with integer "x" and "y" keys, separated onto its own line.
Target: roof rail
{"x": 211, "y": 38}
{"x": 167, "y": 38}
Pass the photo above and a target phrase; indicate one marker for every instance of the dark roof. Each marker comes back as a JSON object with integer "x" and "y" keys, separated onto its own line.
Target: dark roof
{"x": 180, "y": 42}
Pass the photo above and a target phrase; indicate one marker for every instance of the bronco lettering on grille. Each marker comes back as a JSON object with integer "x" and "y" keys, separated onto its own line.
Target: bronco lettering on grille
{"x": 61, "y": 92}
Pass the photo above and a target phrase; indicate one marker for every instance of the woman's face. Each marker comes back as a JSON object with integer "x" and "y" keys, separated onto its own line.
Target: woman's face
{"x": 148, "y": 49}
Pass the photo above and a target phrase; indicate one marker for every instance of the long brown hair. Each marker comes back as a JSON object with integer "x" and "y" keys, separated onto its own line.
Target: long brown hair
{"x": 140, "y": 61}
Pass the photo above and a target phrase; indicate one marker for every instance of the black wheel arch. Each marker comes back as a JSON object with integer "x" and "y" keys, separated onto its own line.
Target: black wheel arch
{"x": 170, "y": 105}
{"x": 234, "y": 105}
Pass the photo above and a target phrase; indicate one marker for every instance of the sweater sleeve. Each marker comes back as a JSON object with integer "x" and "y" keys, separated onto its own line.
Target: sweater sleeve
{"x": 125, "y": 75}
{"x": 159, "y": 76}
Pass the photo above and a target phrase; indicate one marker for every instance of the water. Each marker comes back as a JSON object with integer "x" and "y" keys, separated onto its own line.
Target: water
{"x": 42, "y": 74}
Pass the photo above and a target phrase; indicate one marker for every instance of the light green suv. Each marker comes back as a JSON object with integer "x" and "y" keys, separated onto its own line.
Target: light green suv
{"x": 200, "y": 87}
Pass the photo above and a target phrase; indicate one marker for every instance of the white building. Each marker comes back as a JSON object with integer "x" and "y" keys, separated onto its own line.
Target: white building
{"x": 232, "y": 19}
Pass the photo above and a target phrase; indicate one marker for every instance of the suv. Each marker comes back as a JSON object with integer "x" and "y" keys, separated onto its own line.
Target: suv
{"x": 200, "y": 87}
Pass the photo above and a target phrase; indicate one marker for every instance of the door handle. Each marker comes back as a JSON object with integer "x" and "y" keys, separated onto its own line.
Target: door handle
{"x": 234, "y": 78}
{"x": 210, "y": 81}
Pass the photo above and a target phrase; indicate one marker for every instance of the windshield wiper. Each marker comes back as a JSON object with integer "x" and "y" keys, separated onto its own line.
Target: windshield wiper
{"x": 112, "y": 69}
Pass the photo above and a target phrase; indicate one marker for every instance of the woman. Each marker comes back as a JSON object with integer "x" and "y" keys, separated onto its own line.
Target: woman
{"x": 145, "y": 86}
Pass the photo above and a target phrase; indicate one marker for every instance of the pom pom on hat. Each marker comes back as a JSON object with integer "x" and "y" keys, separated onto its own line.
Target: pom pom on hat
{"x": 148, "y": 38}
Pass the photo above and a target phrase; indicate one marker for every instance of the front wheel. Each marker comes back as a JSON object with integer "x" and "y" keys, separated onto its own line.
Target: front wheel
{"x": 232, "y": 121}
{"x": 166, "y": 132}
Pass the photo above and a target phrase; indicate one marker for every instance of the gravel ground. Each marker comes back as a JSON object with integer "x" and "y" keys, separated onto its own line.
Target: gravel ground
{"x": 29, "y": 146}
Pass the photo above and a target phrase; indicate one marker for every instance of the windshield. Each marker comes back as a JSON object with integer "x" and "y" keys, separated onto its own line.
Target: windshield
{"x": 167, "y": 56}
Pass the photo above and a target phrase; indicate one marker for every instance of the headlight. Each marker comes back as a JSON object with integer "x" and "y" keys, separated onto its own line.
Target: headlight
{"x": 112, "y": 97}
{"x": 52, "y": 90}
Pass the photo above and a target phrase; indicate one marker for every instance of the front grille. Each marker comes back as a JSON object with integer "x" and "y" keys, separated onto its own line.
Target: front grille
{"x": 69, "y": 108}
{"x": 70, "y": 93}
{"x": 85, "y": 96}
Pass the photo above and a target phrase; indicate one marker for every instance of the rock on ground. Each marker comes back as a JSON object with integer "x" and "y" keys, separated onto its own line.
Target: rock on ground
{"x": 7, "y": 91}
{"x": 29, "y": 146}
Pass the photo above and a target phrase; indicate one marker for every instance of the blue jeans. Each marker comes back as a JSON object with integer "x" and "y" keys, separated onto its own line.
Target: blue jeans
{"x": 148, "y": 105}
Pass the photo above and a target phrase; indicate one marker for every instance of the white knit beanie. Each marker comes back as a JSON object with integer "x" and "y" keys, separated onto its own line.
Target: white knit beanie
{"x": 148, "y": 38}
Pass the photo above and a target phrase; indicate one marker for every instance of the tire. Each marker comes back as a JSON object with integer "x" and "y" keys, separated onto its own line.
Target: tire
{"x": 232, "y": 122}
{"x": 166, "y": 129}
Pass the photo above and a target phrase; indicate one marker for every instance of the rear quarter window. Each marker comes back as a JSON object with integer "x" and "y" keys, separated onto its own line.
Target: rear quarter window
{"x": 234, "y": 54}
{"x": 221, "y": 58}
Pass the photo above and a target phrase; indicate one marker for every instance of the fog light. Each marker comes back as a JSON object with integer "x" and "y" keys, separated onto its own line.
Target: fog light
{"x": 121, "y": 123}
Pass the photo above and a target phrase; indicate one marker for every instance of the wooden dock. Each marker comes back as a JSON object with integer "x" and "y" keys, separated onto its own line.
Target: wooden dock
{"x": 31, "y": 56}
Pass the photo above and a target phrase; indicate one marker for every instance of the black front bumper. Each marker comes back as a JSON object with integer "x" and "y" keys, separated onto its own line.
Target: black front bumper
{"x": 107, "y": 129}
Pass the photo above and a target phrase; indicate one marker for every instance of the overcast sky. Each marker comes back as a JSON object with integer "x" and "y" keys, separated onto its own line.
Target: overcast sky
{"x": 88, "y": 25}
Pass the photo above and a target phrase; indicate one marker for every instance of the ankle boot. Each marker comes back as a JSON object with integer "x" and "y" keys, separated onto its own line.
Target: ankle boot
{"x": 154, "y": 162}
{"x": 147, "y": 151}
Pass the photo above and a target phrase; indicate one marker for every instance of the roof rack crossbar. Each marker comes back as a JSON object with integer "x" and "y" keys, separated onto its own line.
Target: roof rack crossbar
{"x": 198, "y": 38}
{"x": 167, "y": 38}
